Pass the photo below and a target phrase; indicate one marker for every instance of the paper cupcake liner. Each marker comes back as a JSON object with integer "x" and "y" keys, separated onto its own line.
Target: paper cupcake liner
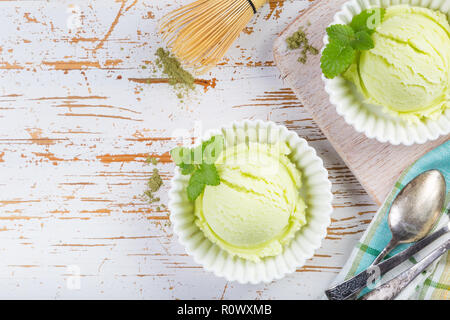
{"x": 369, "y": 119}
{"x": 316, "y": 187}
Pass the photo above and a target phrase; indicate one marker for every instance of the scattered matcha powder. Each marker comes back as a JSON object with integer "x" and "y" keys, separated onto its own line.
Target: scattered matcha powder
{"x": 154, "y": 183}
{"x": 179, "y": 78}
{"x": 152, "y": 161}
{"x": 299, "y": 40}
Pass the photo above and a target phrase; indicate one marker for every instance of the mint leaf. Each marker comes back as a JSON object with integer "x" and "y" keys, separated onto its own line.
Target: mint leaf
{"x": 196, "y": 185}
{"x": 368, "y": 20}
{"x": 183, "y": 158}
{"x": 210, "y": 175}
{"x": 336, "y": 58}
{"x": 346, "y": 40}
{"x": 341, "y": 33}
{"x": 186, "y": 168}
{"x": 362, "y": 41}
{"x": 199, "y": 163}
{"x": 206, "y": 174}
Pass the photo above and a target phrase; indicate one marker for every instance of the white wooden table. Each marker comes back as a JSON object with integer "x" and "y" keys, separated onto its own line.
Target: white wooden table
{"x": 74, "y": 135}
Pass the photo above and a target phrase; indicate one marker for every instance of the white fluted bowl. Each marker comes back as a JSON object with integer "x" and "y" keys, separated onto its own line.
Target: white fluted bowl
{"x": 316, "y": 188}
{"x": 370, "y": 119}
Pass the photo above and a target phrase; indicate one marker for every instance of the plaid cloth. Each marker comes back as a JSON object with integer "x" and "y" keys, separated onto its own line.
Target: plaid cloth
{"x": 434, "y": 283}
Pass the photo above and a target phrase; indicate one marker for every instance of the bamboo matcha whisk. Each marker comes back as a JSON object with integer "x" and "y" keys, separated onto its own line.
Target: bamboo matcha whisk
{"x": 199, "y": 34}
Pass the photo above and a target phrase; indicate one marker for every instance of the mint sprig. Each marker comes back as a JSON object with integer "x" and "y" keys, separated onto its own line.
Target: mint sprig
{"x": 346, "y": 40}
{"x": 199, "y": 163}
{"x": 341, "y": 34}
{"x": 338, "y": 59}
{"x": 368, "y": 20}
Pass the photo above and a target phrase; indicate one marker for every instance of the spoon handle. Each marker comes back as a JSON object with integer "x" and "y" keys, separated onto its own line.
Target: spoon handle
{"x": 392, "y": 288}
{"x": 389, "y": 247}
{"x": 352, "y": 286}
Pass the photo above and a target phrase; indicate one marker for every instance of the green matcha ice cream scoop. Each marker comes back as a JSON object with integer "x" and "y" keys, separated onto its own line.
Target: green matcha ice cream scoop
{"x": 407, "y": 72}
{"x": 257, "y": 208}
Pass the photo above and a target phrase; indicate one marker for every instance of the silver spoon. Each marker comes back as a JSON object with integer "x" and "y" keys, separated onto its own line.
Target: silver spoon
{"x": 413, "y": 213}
{"x": 355, "y": 284}
{"x": 415, "y": 210}
{"x": 392, "y": 288}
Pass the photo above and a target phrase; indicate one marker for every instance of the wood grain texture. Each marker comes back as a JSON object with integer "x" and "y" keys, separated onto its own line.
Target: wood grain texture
{"x": 376, "y": 165}
{"x": 75, "y": 129}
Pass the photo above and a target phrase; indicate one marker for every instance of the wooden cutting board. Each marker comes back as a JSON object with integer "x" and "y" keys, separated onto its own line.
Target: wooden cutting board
{"x": 376, "y": 165}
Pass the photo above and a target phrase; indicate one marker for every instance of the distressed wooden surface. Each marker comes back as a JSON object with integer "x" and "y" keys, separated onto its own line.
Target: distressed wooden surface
{"x": 75, "y": 132}
{"x": 365, "y": 157}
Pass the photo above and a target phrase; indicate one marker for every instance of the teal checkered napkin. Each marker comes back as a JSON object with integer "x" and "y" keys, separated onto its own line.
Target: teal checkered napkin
{"x": 435, "y": 282}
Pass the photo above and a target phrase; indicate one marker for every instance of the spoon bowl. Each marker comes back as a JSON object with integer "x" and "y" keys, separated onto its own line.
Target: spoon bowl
{"x": 415, "y": 210}
{"x": 417, "y": 207}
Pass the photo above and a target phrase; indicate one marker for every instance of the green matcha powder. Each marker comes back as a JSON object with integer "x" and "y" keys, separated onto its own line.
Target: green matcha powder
{"x": 299, "y": 40}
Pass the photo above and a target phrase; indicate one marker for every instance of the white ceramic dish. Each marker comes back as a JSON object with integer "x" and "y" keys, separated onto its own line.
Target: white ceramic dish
{"x": 316, "y": 187}
{"x": 369, "y": 119}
